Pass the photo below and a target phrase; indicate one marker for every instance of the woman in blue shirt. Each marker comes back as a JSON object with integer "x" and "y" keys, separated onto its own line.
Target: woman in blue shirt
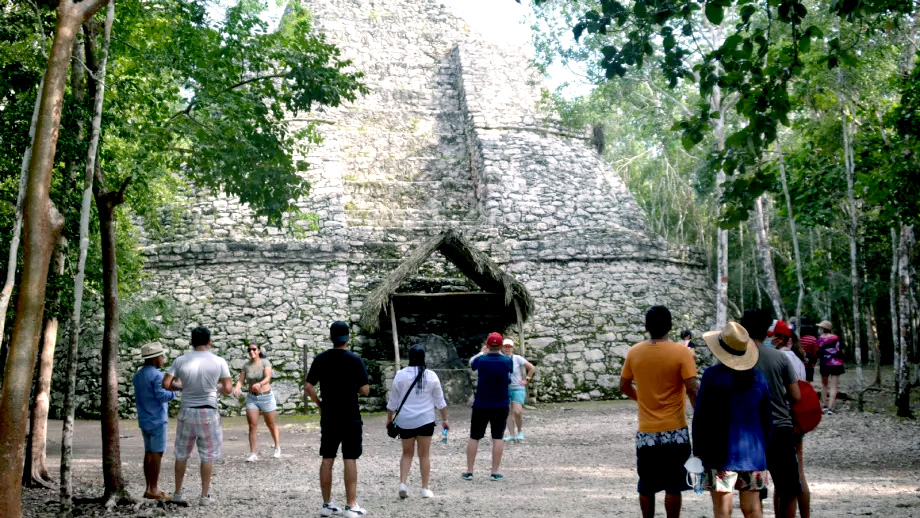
{"x": 732, "y": 422}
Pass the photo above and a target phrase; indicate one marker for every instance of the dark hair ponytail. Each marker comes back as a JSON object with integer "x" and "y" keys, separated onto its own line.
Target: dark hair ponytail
{"x": 417, "y": 359}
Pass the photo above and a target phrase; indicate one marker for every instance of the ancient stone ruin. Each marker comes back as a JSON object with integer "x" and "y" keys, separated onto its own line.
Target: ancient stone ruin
{"x": 523, "y": 228}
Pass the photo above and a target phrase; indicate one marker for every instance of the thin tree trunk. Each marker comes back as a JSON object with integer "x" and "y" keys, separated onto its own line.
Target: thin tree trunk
{"x": 795, "y": 241}
{"x": 12, "y": 262}
{"x": 41, "y": 225}
{"x": 106, "y": 203}
{"x": 35, "y": 472}
{"x": 872, "y": 336}
{"x": 766, "y": 259}
{"x": 66, "y": 489}
{"x": 905, "y": 310}
{"x": 741, "y": 261}
{"x": 853, "y": 227}
{"x": 893, "y": 304}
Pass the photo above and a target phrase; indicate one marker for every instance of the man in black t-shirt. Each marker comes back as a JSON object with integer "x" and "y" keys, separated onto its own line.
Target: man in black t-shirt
{"x": 341, "y": 376}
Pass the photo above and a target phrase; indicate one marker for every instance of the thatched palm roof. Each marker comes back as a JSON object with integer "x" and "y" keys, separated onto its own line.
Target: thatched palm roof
{"x": 473, "y": 263}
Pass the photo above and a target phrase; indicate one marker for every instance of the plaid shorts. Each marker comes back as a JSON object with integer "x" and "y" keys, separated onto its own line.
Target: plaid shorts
{"x": 726, "y": 481}
{"x": 199, "y": 426}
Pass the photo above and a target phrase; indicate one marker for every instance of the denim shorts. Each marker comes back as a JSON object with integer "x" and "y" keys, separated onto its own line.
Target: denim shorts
{"x": 518, "y": 395}
{"x": 263, "y": 402}
{"x": 155, "y": 439}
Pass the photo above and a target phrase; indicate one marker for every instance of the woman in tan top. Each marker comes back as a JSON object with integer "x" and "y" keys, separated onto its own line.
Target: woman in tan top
{"x": 257, "y": 374}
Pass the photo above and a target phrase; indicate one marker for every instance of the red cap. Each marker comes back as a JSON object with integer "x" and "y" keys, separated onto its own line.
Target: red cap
{"x": 780, "y": 328}
{"x": 494, "y": 340}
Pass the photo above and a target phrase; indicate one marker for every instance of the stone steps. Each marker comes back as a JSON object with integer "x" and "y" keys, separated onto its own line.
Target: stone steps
{"x": 409, "y": 218}
{"x": 408, "y": 169}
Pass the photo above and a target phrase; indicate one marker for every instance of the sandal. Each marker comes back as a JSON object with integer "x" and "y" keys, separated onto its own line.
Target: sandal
{"x": 159, "y": 495}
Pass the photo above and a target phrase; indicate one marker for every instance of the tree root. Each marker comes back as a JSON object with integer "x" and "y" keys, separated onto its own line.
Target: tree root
{"x": 116, "y": 498}
{"x": 38, "y": 481}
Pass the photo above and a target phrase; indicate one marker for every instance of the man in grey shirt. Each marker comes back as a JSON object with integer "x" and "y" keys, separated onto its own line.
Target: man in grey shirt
{"x": 784, "y": 390}
{"x": 202, "y": 375}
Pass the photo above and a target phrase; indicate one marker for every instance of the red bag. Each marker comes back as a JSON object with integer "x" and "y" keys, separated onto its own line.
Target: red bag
{"x": 806, "y": 412}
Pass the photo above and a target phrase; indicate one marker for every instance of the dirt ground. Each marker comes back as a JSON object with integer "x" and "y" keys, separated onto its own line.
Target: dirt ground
{"x": 578, "y": 460}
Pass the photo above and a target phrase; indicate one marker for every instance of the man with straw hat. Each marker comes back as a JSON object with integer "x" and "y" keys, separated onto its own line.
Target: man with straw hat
{"x": 732, "y": 422}
{"x": 658, "y": 373}
{"x": 782, "y": 459}
{"x": 151, "y": 400}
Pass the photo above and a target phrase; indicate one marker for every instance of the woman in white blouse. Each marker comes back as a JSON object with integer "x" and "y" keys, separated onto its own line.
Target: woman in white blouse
{"x": 416, "y": 418}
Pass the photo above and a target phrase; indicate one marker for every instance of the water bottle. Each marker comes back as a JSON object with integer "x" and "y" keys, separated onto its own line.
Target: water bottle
{"x": 444, "y": 436}
{"x": 694, "y": 467}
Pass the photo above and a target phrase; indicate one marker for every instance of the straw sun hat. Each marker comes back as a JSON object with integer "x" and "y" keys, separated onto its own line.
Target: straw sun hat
{"x": 733, "y": 347}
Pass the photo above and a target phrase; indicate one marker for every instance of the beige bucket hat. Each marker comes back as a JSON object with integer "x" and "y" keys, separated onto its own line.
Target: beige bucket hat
{"x": 733, "y": 347}
{"x": 152, "y": 351}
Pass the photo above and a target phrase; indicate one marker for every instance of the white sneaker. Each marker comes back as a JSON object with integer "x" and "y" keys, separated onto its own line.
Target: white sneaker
{"x": 355, "y": 512}
{"x": 330, "y": 509}
{"x": 426, "y": 493}
{"x": 252, "y": 457}
{"x": 403, "y": 491}
{"x": 205, "y": 501}
{"x": 277, "y": 453}
{"x": 178, "y": 499}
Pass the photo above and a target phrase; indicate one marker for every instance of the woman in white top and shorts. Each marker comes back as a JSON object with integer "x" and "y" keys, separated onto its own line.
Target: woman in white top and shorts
{"x": 257, "y": 374}
{"x": 416, "y": 418}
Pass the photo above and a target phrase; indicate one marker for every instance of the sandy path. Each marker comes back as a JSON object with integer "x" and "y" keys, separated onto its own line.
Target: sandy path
{"x": 578, "y": 460}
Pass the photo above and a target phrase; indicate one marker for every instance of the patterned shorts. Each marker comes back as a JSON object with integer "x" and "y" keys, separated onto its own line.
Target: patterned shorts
{"x": 725, "y": 481}
{"x": 199, "y": 426}
{"x": 660, "y": 458}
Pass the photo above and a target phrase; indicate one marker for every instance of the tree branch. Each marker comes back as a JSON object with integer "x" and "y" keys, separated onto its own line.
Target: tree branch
{"x": 673, "y": 99}
{"x": 188, "y": 109}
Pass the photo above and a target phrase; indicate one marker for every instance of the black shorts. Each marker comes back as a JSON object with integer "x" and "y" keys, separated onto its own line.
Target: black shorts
{"x": 832, "y": 370}
{"x": 661, "y": 468}
{"x": 422, "y": 431}
{"x": 783, "y": 462}
{"x": 809, "y": 373}
{"x": 496, "y": 418}
{"x": 349, "y": 434}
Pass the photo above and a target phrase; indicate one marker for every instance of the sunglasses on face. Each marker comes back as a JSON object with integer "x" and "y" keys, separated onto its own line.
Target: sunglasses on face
{"x": 252, "y": 349}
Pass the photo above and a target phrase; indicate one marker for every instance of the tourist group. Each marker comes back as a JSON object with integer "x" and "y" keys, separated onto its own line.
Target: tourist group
{"x": 751, "y": 411}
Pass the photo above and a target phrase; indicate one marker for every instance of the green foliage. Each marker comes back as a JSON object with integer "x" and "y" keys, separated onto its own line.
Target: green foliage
{"x": 748, "y": 52}
{"x": 143, "y": 321}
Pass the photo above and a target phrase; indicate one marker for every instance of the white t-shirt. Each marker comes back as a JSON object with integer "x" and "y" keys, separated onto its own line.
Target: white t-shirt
{"x": 518, "y": 363}
{"x": 425, "y": 397}
{"x": 797, "y": 364}
{"x": 199, "y": 372}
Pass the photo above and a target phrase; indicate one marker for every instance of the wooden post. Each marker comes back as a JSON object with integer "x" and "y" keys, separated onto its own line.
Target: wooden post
{"x": 395, "y": 336}
{"x": 520, "y": 323}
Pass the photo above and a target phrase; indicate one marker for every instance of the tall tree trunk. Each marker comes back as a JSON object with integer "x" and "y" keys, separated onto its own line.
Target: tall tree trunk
{"x": 66, "y": 490}
{"x": 741, "y": 264}
{"x": 35, "y": 472}
{"x": 904, "y": 318}
{"x": 872, "y": 336}
{"x": 766, "y": 259}
{"x": 41, "y": 225}
{"x": 893, "y": 304}
{"x": 106, "y": 202}
{"x": 852, "y": 230}
{"x": 795, "y": 241}
{"x": 12, "y": 262}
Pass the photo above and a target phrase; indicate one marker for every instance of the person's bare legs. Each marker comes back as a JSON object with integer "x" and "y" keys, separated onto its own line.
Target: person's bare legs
{"x": 405, "y": 462}
{"x": 722, "y": 503}
{"x": 252, "y": 417}
{"x": 510, "y": 424}
{"x": 206, "y": 470}
{"x": 424, "y": 459}
{"x": 672, "y": 504}
{"x": 180, "y": 473}
{"x": 152, "y": 461}
{"x": 351, "y": 482}
{"x": 498, "y": 447}
{"x": 751, "y": 506}
{"x": 647, "y": 505}
{"x": 325, "y": 479}
{"x": 270, "y": 418}
{"x": 517, "y": 415}
{"x": 824, "y": 391}
{"x": 782, "y": 507}
{"x": 804, "y": 498}
{"x": 472, "y": 446}
{"x": 835, "y": 381}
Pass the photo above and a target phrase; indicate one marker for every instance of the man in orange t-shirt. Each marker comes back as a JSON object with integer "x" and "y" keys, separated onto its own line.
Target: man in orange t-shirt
{"x": 658, "y": 373}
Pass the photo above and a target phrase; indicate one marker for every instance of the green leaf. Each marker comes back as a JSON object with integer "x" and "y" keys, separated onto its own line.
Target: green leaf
{"x": 714, "y": 13}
